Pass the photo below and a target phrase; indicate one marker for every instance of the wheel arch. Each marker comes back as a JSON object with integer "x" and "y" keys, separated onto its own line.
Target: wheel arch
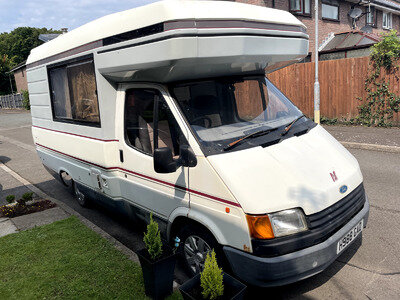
{"x": 61, "y": 170}
{"x": 183, "y": 218}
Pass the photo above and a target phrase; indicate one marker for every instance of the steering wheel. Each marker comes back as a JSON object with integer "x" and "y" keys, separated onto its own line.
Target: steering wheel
{"x": 203, "y": 118}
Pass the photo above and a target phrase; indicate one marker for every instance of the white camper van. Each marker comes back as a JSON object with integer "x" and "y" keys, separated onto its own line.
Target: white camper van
{"x": 166, "y": 109}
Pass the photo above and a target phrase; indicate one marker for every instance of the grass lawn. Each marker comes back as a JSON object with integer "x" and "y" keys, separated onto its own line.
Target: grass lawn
{"x": 66, "y": 260}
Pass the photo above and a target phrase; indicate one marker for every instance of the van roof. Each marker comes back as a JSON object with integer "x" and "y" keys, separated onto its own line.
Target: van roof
{"x": 157, "y": 13}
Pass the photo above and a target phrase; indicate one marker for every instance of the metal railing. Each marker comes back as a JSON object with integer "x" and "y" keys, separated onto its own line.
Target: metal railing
{"x": 11, "y": 101}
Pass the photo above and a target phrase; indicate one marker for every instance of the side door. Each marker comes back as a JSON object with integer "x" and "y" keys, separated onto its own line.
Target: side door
{"x": 140, "y": 184}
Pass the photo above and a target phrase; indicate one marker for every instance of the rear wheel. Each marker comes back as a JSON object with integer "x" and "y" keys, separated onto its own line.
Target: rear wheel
{"x": 196, "y": 242}
{"x": 81, "y": 197}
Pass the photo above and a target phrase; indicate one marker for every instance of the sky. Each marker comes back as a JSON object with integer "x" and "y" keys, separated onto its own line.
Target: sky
{"x": 58, "y": 14}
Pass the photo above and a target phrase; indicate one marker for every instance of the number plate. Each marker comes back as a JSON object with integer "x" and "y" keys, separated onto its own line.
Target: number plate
{"x": 349, "y": 237}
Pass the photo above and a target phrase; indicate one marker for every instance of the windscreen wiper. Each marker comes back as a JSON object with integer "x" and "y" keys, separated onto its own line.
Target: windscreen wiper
{"x": 289, "y": 126}
{"x": 251, "y": 135}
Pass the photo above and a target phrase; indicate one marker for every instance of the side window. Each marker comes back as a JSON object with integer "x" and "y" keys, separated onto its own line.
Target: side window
{"x": 60, "y": 94}
{"x": 74, "y": 94}
{"x": 139, "y": 122}
{"x": 82, "y": 86}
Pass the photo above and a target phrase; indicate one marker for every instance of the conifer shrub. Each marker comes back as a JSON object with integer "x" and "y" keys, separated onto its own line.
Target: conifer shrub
{"x": 152, "y": 239}
{"x": 211, "y": 279}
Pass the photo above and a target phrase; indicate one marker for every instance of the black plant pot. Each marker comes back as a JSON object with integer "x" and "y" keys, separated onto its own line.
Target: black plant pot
{"x": 233, "y": 289}
{"x": 158, "y": 275}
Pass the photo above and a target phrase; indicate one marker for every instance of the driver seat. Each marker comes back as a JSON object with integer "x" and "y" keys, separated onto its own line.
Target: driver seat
{"x": 206, "y": 108}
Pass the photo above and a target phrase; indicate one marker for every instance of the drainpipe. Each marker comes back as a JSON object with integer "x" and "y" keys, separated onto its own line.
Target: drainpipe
{"x": 316, "y": 83}
{"x": 9, "y": 77}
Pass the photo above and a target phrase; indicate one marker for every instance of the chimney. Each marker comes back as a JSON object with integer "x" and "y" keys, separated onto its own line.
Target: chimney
{"x": 64, "y": 30}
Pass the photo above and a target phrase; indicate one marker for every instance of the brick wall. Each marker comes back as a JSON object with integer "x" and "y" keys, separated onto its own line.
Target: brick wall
{"x": 20, "y": 79}
{"x": 327, "y": 26}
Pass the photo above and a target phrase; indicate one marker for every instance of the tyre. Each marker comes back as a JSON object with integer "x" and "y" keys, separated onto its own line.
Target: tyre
{"x": 82, "y": 199}
{"x": 196, "y": 242}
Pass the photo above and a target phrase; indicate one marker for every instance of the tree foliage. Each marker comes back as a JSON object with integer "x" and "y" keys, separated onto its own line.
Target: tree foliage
{"x": 381, "y": 103}
{"x": 5, "y": 67}
{"x": 15, "y": 47}
{"x": 18, "y": 43}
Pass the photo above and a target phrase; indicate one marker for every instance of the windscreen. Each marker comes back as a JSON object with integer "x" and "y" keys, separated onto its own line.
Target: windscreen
{"x": 222, "y": 110}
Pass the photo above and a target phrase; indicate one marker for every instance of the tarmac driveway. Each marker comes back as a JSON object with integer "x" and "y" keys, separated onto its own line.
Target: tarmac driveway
{"x": 369, "y": 269}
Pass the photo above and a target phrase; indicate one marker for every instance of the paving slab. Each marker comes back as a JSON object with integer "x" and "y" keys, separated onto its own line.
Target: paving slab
{"x": 7, "y": 227}
{"x": 10, "y": 186}
{"x": 47, "y": 216}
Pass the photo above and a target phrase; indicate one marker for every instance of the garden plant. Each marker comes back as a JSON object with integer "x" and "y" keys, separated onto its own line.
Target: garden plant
{"x": 211, "y": 279}
{"x": 10, "y": 198}
{"x": 381, "y": 103}
{"x": 157, "y": 262}
{"x": 152, "y": 239}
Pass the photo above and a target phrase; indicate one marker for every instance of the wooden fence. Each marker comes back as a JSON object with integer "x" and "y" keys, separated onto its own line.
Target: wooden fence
{"x": 341, "y": 81}
{"x": 11, "y": 101}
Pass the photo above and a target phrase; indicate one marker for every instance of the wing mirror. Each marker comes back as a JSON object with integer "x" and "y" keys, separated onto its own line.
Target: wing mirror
{"x": 165, "y": 163}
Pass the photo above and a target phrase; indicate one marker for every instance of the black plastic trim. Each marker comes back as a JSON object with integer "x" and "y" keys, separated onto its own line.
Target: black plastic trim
{"x": 321, "y": 226}
{"x": 134, "y": 34}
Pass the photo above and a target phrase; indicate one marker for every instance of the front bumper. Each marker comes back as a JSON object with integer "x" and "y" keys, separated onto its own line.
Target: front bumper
{"x": 291, "y": 267}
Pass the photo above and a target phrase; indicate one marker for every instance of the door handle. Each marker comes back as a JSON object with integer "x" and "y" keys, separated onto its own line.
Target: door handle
{"x": 98, "y": 180}
{"x": 121, "y": 156}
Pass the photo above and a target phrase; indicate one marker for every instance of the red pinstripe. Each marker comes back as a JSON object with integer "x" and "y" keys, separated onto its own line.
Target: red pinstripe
{"x": 148, "y": 177}
{"x": 83, "y": 136}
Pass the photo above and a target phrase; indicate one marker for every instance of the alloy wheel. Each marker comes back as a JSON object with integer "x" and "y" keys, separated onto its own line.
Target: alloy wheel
{"x": 79, "y": 196}
{"x": 195, "y": 250}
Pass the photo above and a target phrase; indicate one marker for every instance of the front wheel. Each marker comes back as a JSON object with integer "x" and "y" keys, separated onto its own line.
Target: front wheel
{"x": 195, "y": 244}
{"x": 81, "y": 197}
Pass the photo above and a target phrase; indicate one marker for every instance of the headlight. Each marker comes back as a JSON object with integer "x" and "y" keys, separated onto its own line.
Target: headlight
{"x": 288, "y": 222}
{"x": 277, "y": 224}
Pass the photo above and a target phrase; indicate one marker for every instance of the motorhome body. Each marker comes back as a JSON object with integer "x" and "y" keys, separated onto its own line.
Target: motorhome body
{"x": 165, "y": 109}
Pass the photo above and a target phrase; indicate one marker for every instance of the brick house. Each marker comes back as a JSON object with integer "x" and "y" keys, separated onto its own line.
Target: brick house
{"x": 20, "y": 77}
{"x": 333, "y": 15}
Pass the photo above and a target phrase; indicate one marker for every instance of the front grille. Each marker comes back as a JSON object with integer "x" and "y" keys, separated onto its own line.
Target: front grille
{"x": 321, "y": 226}
{"x": 337, "y": 215}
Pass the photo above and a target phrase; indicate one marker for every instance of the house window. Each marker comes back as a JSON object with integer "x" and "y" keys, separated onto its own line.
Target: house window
{"x": 371, "y": 16}
{"x": 301, "y": 7}
{"x": 387, "y": 20}
{"x": 330, "y": 10}
{"x": 74, "y": 94}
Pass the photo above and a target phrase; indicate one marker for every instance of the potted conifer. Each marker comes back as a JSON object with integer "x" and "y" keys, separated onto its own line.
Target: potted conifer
{"x": 212, "y": 283}
{"x": 157, "y": 262}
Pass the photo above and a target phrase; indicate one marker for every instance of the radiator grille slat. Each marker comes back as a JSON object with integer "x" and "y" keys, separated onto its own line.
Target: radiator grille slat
{"x": 343, "y": 209}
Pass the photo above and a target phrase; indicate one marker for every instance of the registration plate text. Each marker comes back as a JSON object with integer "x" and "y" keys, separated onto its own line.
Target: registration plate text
{"x": 349, "y": 237}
